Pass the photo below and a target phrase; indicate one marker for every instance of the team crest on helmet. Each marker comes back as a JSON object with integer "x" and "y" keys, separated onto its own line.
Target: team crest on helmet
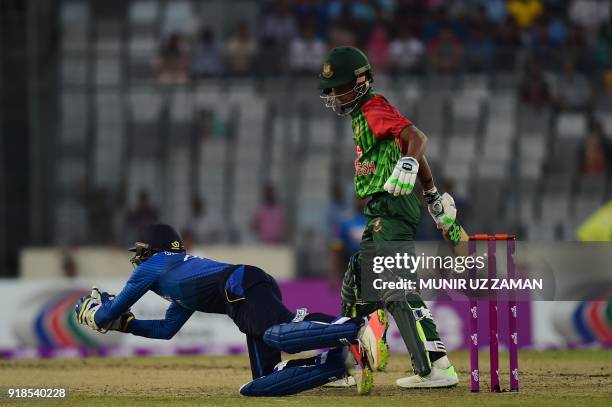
{"x": 327, "y": 71}
{"x": 176, "y": 245}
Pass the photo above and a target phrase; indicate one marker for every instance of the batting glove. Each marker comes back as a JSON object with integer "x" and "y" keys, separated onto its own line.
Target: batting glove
{"x": 403, "y": 178}
{"x": 441, "y": 208}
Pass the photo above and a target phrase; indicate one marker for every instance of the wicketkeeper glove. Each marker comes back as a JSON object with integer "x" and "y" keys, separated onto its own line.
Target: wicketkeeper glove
{"x": 441, "y": 208}
{"x": 121, "y": 324}
{"x": 87, "y": 307}
{"x": 401, "y": 181}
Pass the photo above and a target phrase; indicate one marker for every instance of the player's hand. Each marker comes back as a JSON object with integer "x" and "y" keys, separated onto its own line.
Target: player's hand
{"x": 121, "y": 324}
{"x": 87, "y": 307}
{"x": 401, "y": 181}
{"x": 86, "y": 310}
{"x": 101, "y": 296}
{"x": 441, "y": 208}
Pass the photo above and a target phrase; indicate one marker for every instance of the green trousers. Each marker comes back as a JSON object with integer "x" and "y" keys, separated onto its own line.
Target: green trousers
{"x": 395, "y": 219}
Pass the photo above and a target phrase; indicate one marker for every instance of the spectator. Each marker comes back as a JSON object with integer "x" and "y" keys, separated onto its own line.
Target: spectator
{"x": 337, "y": 210}
{"x": 69, "y": 266}
{"x": 533, "y": 88}
{"x": 269, "y": 220}
{"x": 589, "y": 15}
{"x": 99, "y": 209}
{"x": 342, "y": 31}
{"x": 205, "y": 229}
{"x": 406, "y": 52}
{"x": 540, "y": 45}
{"x": 557, "y": 30}
{"x": 336, "y": 8}
{"x": 507, "y": 43}
{"x": 480, "y": 19}
{"x": 378, "y": 48}
{"x": 479, "y": 50}
{"x": 572, "y": 91}
{"x": 595, "y": 154}
{"x": 240, "y": 50}
{"x": 306, "y": 51}
{"x": 524, "y": 12}
{"x": 603, "y": 48}
{"x": 411, "y": 10}
{"x": 435, "y": 23}
{"x": 496, "y": 11}
{"x": 363, "y": 12}
{"x": 445, "y": 52}
{"x": 207, "y": 58}
{"x": 312, "y": 12}
{"x": 144, "y": 213}
{"x": 278, "y": 27}
{"x": 347, "y": 241}
{"x": 578, "y": 51}
{"x": 172, "y": 63}
{"x": 386, "y": 8}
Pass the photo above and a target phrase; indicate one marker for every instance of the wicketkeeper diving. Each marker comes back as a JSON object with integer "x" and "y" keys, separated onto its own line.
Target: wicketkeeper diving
{"x": 252, "y": 299}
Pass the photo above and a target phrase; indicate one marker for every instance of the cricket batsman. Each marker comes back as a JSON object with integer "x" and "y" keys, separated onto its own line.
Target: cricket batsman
{"x": 390, "y": 157}
{"x": 252, "y": 299}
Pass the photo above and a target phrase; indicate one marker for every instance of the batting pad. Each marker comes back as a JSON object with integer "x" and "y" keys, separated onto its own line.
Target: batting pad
{"x": 328, "y": 367}
{"x": 301, "y": 336}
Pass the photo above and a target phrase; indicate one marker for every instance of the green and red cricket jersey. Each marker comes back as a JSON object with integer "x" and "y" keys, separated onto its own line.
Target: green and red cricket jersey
{"x": 376, "y": 129}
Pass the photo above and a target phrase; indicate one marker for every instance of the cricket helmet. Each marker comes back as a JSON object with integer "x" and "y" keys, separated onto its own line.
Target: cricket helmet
{"x": 343, "y": 66}
{"x": 156, "y": 238}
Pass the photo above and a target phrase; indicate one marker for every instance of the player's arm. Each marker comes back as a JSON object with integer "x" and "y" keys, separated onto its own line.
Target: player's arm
{"x": 404, "y": 174}
{"x": 415, "y": 140}
{"x": 425, "y": 175}
{"x": 166, "y": 328}
{"x": 138, "y": 284}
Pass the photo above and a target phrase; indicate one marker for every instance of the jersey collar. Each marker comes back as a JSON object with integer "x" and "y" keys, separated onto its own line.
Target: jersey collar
{"x": 368, "y": 95}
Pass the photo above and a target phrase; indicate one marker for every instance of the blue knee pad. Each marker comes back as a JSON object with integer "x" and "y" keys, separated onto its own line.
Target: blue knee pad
{"x": 328, "y": 367}
{"x": 296, "y": 337}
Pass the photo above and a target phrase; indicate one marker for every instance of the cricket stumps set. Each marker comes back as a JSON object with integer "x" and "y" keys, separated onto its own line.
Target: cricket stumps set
{"x": 493, "y": 312}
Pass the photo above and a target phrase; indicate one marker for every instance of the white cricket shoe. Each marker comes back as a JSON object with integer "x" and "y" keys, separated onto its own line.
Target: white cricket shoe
{"x": 346, "y": 381}
{"x": 437, "y": 378}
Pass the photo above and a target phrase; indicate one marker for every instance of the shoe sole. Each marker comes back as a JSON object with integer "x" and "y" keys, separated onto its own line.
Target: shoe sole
{"x": 342, "y": 383}
{"x": 430, "y": 384}
{"x": 382, "y": 351}
{"x": 365, "y": 382}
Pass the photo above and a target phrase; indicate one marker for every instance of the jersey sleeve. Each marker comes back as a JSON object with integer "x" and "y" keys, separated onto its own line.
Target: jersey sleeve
{"x": 384, "y": 120}
{"x": 166, "y": 328}
{"x": 137, "y": 285}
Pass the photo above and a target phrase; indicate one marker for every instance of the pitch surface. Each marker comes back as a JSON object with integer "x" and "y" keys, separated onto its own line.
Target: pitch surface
{"x": 554, "y": 378}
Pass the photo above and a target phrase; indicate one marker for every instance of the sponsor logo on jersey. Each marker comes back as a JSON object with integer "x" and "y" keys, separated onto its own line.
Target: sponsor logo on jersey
{"x": 365, "y": 168}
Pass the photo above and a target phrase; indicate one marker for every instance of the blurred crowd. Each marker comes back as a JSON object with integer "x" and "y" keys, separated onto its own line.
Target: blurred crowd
{"x": 400, "y": 36}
